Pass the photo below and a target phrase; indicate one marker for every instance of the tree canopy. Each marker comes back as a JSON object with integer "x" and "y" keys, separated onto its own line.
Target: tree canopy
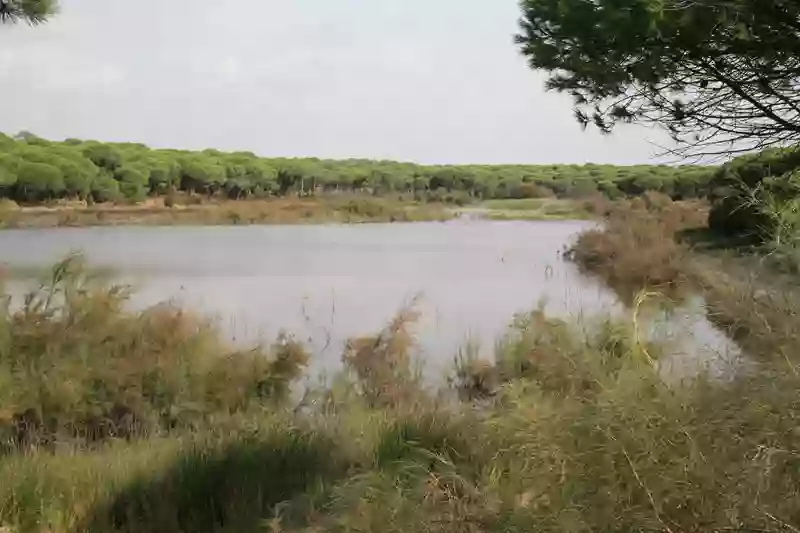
{"x": 32, "y": 12}
{"x": 719, "y": 75}
{"x": 35, "y": 169}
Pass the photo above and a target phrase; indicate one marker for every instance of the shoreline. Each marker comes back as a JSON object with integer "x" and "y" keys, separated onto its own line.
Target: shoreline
{"x": 224, "y": 213}
{"x": 352, "y": 210}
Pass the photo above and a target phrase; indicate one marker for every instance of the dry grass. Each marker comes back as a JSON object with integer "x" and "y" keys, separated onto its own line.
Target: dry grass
{"x": 383, "y": 365}
{"x": 342, "y": 209}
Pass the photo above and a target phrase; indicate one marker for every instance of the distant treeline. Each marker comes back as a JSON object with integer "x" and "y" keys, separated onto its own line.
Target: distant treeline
{"x": 33, "y": 169}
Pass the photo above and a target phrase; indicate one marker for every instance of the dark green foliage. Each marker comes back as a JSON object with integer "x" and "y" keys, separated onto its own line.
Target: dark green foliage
{"x": 712, "y": 72}
{"x": 102, "y": 155}
{"x": 79, "y": 175}
{"x": 31, "y": 11}
{"x": 105, "y": 189}
{"x": 226, "y": 484}
{"x": 132, "y": 182}
{"x": 39, "y": 181}
{"x": 201, "y": 174}
{"x": 423, "y": 439}
{"x": 164, "y": 176}
{"x": 738, "y": 190}
{"x": 609, "y": 190}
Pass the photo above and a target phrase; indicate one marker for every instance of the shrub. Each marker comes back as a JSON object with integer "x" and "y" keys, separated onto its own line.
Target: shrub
{"x": 739, "y": 188}
{"x": 636, "y": 248}
{"x": 382, "y": 364}
{"x": 77, "y": 365}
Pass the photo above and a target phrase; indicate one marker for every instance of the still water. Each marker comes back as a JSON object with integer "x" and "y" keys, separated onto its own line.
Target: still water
{"x": 326, "y": 283}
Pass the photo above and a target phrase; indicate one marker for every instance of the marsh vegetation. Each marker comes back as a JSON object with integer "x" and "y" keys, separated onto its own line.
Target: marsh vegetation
{"x": 116, "y": 420}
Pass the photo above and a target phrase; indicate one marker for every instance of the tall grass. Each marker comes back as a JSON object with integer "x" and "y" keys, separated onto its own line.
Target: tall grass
{"x": 569, "y": 427}
{"x": 383, "y": 364}
{"x": 773, "y": 207}
{"x": 76, "y": 365}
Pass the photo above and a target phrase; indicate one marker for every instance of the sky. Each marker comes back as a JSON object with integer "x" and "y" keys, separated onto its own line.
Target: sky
{"x": 431, "y": 81}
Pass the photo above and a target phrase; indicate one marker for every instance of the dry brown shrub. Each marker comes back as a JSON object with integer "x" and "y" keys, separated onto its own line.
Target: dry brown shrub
{"x": 636, "y": 248}
{"x": 77, "y": 365}
{"x": 383, "y": 364}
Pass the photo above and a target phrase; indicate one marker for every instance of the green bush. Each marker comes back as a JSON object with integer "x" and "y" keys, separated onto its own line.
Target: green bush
{"x": 740, "y": 188}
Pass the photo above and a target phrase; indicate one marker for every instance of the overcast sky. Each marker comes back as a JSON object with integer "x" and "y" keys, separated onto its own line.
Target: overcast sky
{"x": 434, "y": 81}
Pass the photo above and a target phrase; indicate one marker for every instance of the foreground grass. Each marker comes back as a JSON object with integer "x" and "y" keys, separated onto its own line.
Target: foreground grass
{"x": 569, "y": 428}
{"x": 334, "y": 209}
